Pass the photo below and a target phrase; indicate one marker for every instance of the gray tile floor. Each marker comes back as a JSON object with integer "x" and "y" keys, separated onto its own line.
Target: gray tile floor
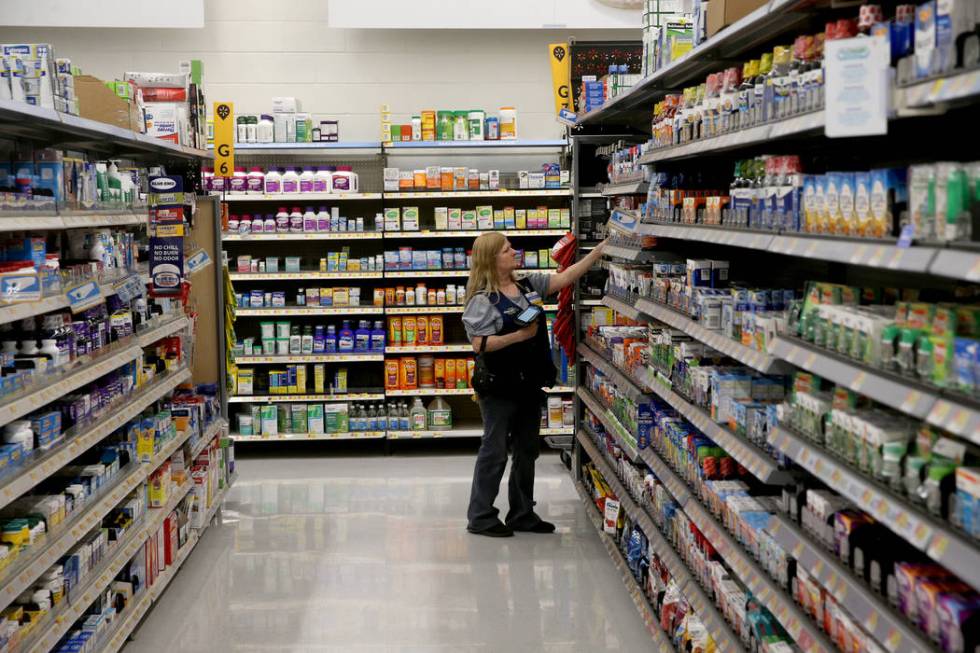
{"x": 360, "y": 554}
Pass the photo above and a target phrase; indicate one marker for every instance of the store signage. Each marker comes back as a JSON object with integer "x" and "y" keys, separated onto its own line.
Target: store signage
{"x": 627, "y": 222}
{"x": 130, "y": 288}
{"x": 166, "y": 264}
{"x": 567, "y": 117}
{"x": 857, "y": 87}
{"x": 198, "y": 261}
{"x": 561, "y": 75}
{"x": 83, "y": 296}
{"x": 224, "y": 139}
{"x": 20, "y": 287}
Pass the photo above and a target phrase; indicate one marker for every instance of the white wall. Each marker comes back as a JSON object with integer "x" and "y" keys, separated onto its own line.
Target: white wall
{"x": 255, "y": 49}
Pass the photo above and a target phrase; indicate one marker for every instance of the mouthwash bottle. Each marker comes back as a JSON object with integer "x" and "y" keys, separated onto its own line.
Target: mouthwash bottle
{"x": 378, "y": 337}
{"x": 362, "y": 337}
{"x": 330, "y": 343}
{"x": 345, "y": 342}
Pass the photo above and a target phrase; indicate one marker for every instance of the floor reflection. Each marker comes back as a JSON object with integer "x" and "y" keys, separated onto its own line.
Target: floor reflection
{"x": 370, "y": 554}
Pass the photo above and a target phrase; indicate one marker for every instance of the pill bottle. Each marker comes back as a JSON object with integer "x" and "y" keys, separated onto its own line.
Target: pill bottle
{"x": 273, "y": 182}
{"x": 461, "y": 130}
{"x": 492, "y": 132}
{"x": 416, "y": 128}
{"x": 239, "y": 180}
{"x": 321, "y": 181}
{"x": 305, "y": 181}
{"x": 344, "y": 180}
{"x": 255, "y": 181}
{"x": 476, "y": 118}
{"x": 265, "y": 130}
{"x": 508, "y": 123}
{"x": 290, "y": 181}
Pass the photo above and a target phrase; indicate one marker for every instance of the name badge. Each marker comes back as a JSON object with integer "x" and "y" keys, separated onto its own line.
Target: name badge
{"x": 534, "y": 298}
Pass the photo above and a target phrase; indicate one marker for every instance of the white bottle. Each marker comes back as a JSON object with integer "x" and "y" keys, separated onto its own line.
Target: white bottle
{"x": 255, "y": 182}
{"x": 268, "y": 225}
{"x": 309, "y": 220}
{"x": 323, "y": 219}
{"x": 29, "y": 347}
{"x": 265, "y": 131}
{"x": 273, "y": 182}
{"x": 290, "y": 181}
{"x": 19, "y": 433}
{"x": 305, "y": 181}
{"x": 50, "y": 347}
{"x": 282, "y": 218}
{"x": 322, "y": 182}
{"x": 296, "y": 221}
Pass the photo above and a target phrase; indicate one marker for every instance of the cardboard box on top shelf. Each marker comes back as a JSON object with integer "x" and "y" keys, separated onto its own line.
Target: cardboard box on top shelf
{"x": 722, "y": 13}
{"x": 98, "y": 102}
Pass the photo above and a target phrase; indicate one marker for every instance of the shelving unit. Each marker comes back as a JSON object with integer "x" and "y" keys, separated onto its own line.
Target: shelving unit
{"x": 369, "y": 160}
{"x": 28, "y": 126}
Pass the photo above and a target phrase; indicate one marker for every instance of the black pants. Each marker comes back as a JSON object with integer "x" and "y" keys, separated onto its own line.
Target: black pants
{"x": 515, "y": 421}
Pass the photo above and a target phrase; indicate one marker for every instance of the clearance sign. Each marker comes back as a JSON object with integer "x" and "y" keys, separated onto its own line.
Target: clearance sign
{"x": 561, "y": 75}
{"x": 224, "y": 139}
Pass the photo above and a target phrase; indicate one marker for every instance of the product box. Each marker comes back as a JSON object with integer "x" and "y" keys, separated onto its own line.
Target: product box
{"x": 925, "y": 39}
{"x": 392, "y": 218}
{"x": 722, "y": 13}
{"x": 163, "y": 121}
{"x": 391, "y": 177}
{"x": 484, "y": 218}
{"x": 410, "y": 218}
{"x": 286, "y": 105}
{"x": 469, "y": 219}
{"x": 97, "y": 102}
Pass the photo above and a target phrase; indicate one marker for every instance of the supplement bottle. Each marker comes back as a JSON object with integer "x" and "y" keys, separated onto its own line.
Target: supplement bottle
{"x": 290, "y": 181}
{"x": 344, "y": 180}
{"x": 362, "y": 337}
{"x": 269, "y": 224}
{"x": 239, "y": 180}
{"x": 330, "y": 344}
{"x": 309, "y": 220}
{"x": 273, "y": 182}
{"x": 255, "y": 181}
{"x": 296, "y": 221}
{"x": 476, "y": 119}
{"x": 321, "y": 181}
{"x": 508, "y": 123}
{"x": 265, "y": 130}
{"x": 416, "y": 128}
{"x": 461, "y": 130}
{"x": 305, "y": 181}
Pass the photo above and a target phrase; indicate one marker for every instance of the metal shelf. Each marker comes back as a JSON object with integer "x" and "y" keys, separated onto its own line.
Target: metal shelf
{"x": 961, "y": 264}
{"x": 57, "y": 300}
{"x": 472, "y": 233}
{"x": 323, "y": 235}
{"x": 219, "y": 499}
{"x": 558, "y": 430}
{"x": 77, "y": 133}
{"x": 54, "y": 385}
{"x": 797, "y": 125}
{"x": 497, "y": 144}
{"x": 503, "y": 193}
{"x": 306, "y": 437}
{"x": 717, "y": 627}
{"x": 648, "y": 614}
{"x": 310, "y": 358}
{"x": 460, "y": 432}
{"x": 290, "y": 398}
{"x": 218, "y": 425}
{"x": 80, "y": 438}
{"x": 623, "y": 308}
{"x": 755, "y": 359}
{"x": 707, "y": 234}
{"x": 950, "y": 89}
{"x": 421, "y": 310}
{"x": 906, "y": 395}
{"x": 632, "y": 254}
{"x": 624, "y": 438}
{"x": 875, "y": 254}
{"x": 559, "y": 389}
{"x": 301, "y": 276}
{"x": 428, "y": 349}
{"x": 625, "y": 188}
{"x": 870, "y": 610}
{"x": 411, "y": 274}
{"x": 157, "y": 329}
{"x": 960, "y": 416}
{"x": 44, "y": 221}
{"x": 430, "y": 392}
{"x": 283, "y": 148}
{"x": 309, "y": 310}
{"x": 300, "y": 197}
{"x": 930, "y": 535}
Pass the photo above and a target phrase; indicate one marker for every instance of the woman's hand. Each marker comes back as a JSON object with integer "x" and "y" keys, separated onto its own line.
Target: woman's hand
{"x": 527, "y": 332}
{"x": 601, "y": 246}
{"x": 495, "y": 343}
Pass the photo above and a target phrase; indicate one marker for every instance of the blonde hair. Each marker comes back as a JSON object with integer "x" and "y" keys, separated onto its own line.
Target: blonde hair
{"x": 483, "y": 274}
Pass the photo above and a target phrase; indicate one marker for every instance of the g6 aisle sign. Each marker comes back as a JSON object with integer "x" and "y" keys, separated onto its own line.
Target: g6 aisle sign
{"x": 561, "y": 75}
{"x": 224, "y": 139}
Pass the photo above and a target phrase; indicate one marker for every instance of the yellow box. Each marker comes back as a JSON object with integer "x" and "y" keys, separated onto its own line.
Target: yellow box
{"x": 341, "y": 297}
{"x": 319, "y": 378}
{"x": 301, "y": 379}
{"x": 520, "y": 218}
{"x": 144, "y": 443}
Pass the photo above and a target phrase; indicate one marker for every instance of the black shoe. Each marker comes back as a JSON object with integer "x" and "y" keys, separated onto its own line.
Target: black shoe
{"x": 541, "y": 527}
{"x": 497, "y": 530}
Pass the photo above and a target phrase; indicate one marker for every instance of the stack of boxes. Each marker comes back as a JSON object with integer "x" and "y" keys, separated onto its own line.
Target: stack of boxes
{"x": 29, "y": 72}
{"x": 173, "y": 103}
{"x": 671, "y": 28}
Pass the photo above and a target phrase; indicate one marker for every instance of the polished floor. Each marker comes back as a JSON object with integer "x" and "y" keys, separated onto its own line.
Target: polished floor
{"x": 369, "y": 554}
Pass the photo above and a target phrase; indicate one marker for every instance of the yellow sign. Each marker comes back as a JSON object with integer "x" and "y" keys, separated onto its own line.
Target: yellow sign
{"x": 224, "y": 139}
{"x": 561, "y": 75}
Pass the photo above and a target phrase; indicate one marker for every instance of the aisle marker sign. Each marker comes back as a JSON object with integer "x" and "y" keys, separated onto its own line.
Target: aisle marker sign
{"x": 224, "y": 139}
{"x": 561, "y": 75}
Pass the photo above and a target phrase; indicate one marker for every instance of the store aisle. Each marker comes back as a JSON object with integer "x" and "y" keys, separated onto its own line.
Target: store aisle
{"x": 361, "y": 554}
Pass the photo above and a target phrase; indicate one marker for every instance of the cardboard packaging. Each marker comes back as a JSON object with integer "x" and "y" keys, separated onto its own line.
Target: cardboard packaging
{"x": 722, "y": 13}
{"x": 97, "y": 102}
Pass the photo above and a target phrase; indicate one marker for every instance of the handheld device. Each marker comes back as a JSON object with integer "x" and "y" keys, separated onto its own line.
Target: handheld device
{"x": 528, "y": 315}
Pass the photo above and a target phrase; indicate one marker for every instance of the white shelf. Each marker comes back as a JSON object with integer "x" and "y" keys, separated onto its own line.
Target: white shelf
{"x": 958, "y": 86}
{"x": 80, "y": 438}
{"x": 623, "y": 308}
{"x": 48, "y": 124}
{"x": 322, "y": 235}
{"x": 560, "y": 430}
{"x": 625, "y": 439}
{"x": 306, "y": 437}
{"x": 430, "y": 392}
{"x": 309, "y": 310}
{"x": 13, "y": 311}
{"x": 473, "y": 233}
{"x": 411, "y": 274}
{"x": 802, "y": 124}
{"x": 590, "y": 302}
{"x": 310, "y": 358}
{"x": 217, "y": 502}
{"x": 625, "y": 188}
{"x": 935, "y": 538}
{"x": 560, "y": 390}
{"x": 323, "y": 145}
{"x": 436, "y": 434}
{"x": 163, "y": 328}
{"x": 632, "y": 254}
{"x": 513, "y": 143}
{"x": 755, "y": 359}
{"x": 421, "y": 310}
{"x": 301, "y": 197}
{"x": 503, "y": 193}
{"x": 428, "y": 349}
{"x": 54, "y": 385}
{"x": 685, "y": 581}
{"x": 290, "y": 398}
{"x": 627, "y": 385}
{"x": 957, "y": 264}
{"x": 707, "y": 234}
{"x": 42, "y": 221}
{"x": 304, "y": 276}
{"x": 209, "y": 435}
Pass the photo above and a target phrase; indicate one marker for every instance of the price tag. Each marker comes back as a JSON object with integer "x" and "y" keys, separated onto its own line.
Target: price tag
{"x": 83, "y": 296}
{"x": 197, "y": 261}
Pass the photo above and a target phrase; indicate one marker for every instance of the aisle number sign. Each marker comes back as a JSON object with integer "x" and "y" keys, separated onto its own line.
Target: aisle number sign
{"x": 561, "y": 75}
{"x": 224, "y": 139}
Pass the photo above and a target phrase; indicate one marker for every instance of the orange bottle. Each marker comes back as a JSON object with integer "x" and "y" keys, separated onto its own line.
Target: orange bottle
{"x": 422, "y": 330}
{"x": 470, "y": 365}
{"x": 436, "y": 330}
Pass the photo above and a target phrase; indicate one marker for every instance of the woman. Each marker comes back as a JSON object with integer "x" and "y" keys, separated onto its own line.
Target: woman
{"x": 520, "y": 357}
